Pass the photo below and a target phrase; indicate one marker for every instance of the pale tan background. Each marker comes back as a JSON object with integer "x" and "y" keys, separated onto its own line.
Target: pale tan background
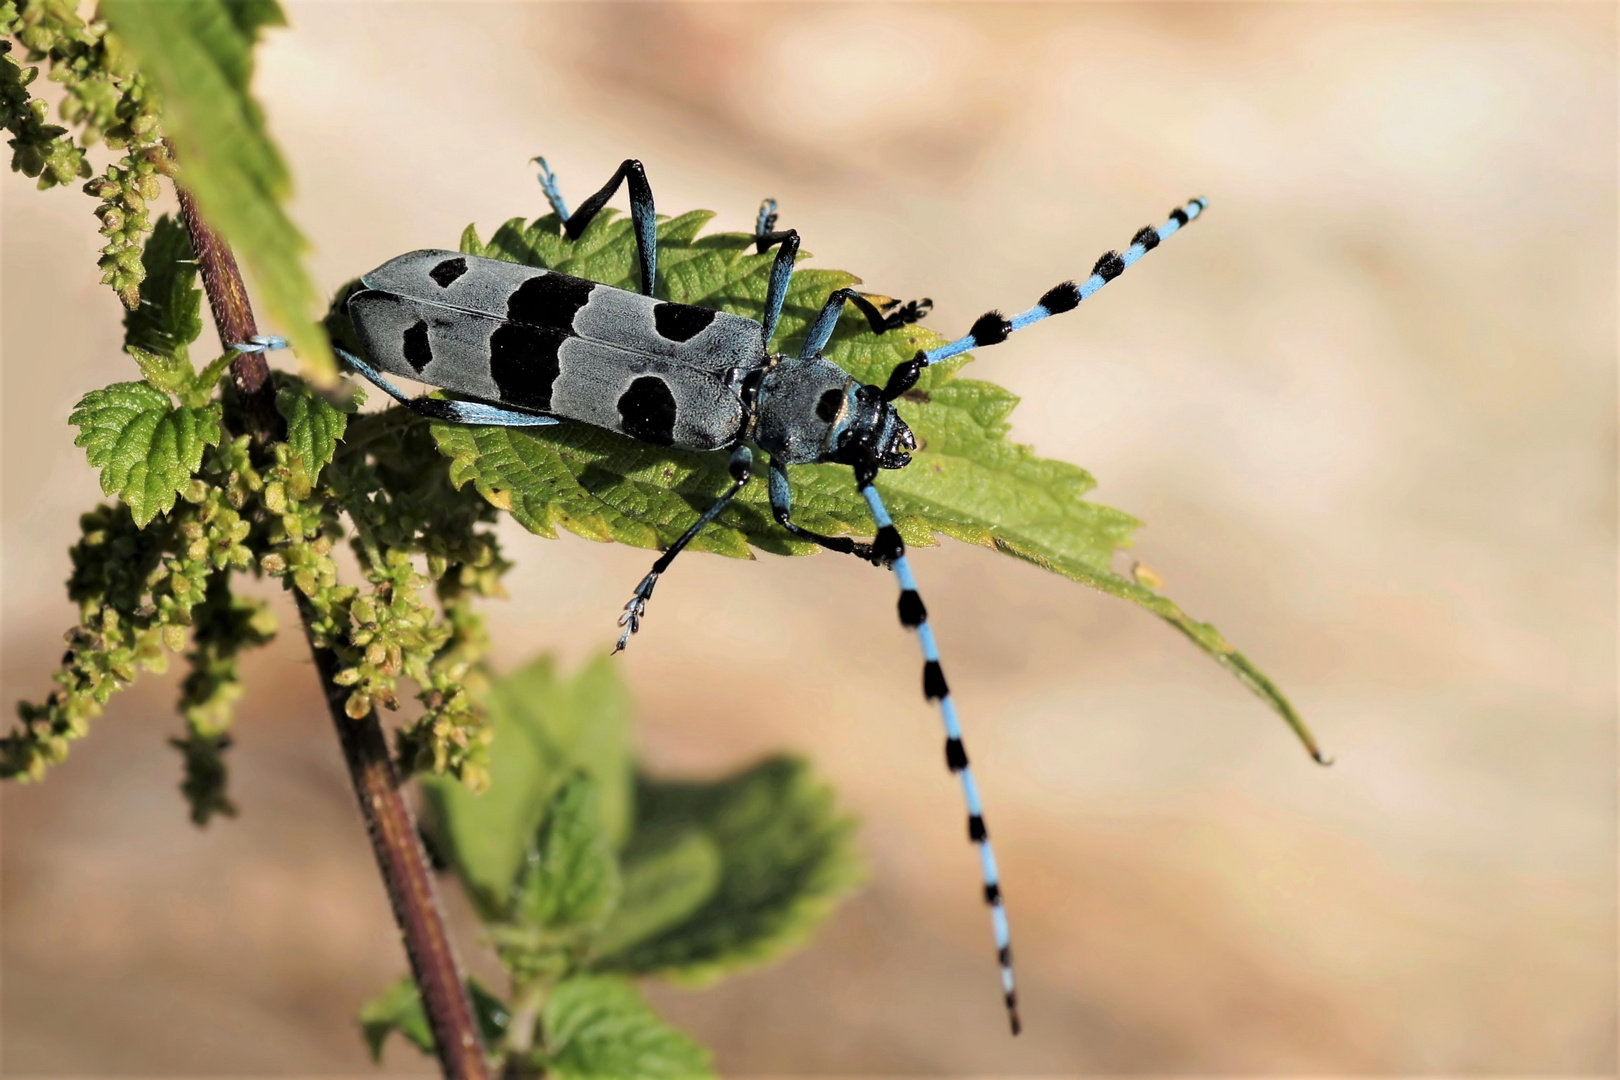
{"x": 1367, "y": 407}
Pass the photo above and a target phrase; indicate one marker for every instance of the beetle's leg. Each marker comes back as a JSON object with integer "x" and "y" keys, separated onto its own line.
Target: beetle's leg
{"x": 782, "y": 507}
{"x": 913, "y": 615}
{"x": 822, "y": 329}
{"x": 992, "y": 327}
{"x": 641, "y": 215}
{"x": 781, "y": 274}
{"x": 742, "y": 468}
{"x": 765, "y": 234}
{"x": 458, "y": 412}
{"x": 548, "y": 185}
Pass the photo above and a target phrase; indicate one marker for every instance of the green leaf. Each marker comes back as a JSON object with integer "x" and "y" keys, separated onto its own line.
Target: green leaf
{"x": 399, "y": 1009}
{"x": 314, "y": 424}
{"x": 598, "y": 1028}
{"x": 668, "y": 875}
{"x": 546, "y": 728}
{"x": 169, "y": 316}
{"x": 571, "y": 879}
{"x": 786, "y": 859}
{"x": 199, "y": 56}
{"x": 146, "y": 448}
{"x": 967, "y": 480}
{"x": 396, "y": 1009}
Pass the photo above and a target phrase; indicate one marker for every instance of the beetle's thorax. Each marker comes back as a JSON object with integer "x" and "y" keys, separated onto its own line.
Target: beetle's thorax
{"x": 811, "y": 410}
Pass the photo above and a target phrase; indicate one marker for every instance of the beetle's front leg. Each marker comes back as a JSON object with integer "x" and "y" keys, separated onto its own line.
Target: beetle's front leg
{"x": 782, "y": 508}
{"x": 742, "y": 469}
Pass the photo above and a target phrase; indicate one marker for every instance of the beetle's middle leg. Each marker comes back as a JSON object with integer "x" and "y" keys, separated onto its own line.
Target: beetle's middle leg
{"x": 641, "y": 216}
{"x": 742, "y": 469}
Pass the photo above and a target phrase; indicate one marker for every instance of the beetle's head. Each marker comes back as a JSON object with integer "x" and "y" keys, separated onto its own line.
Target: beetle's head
{"x": 874, "y": 432}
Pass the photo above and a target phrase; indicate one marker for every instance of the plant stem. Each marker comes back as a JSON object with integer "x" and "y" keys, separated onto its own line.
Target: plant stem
{"x": 388, "y": 816}
{"x": 233, "y": 317}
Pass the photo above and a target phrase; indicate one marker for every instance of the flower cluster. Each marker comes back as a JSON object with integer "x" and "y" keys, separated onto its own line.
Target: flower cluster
{"x": 110, "y": 104}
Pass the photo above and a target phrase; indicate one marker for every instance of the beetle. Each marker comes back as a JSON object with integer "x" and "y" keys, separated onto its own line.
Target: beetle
{"x": 526, "y": 346}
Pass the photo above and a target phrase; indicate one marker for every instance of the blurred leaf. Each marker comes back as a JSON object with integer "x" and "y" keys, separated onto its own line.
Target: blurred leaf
{"x": 571, "y": 880}
{"x": 169, "y": 316}
{"x": 399, "y": 1009}
{"x": 146, "y": 448}
{"x": 582, "y": 723}
{"x": 545, "y": 728}
{"x": 597, "y": 1027}
{"x": 786, "y": 859}
{"x": 967, "y": 480}
{"x": 199, "y": 56}
{"x": 668, "y": 875}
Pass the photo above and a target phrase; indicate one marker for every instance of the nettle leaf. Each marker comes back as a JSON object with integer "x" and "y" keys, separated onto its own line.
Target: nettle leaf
{"x": 399, "y": 1009}
{"x": 546, "y": 728}
{"x": 571, "y": 879}
{"x": 786, "y": 858}
{"x": 967, "y": 480}
{"x": 396, "y": 1009}
{"x": 169, "y": 316}
{"x": 668, "y": 875}
{"x": 146, "y": 447}
{"x": 596, "y": 1027}
{"x": 199, "y": 56}
{"x": 314, "y": 424}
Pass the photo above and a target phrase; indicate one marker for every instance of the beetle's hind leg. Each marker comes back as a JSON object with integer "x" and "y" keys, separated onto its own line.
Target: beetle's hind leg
{"x": 742, "y": 469}
{"x": 642, "y": 215}
{"x": 548, "y": 186}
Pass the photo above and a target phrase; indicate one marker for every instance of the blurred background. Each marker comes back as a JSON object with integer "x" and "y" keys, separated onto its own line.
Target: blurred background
{"x": 1366, "y": 407}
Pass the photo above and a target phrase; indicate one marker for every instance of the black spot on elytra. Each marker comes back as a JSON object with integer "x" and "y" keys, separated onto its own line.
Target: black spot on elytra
{"x": 829, "y": 404}
{"x": 1061, "y": 298}
{"x": 447, "y": 272}
{"x": 1147, "y": 236}
{"x": 647, "y": 411}
{"x": 934, "y": 681}
{"x": 681, "y": 322}
{"x": 550, "y": 301}
{"x": 523, "y": 363}
{"x": 418, "y": 353}
{"x": 955, "y": 755}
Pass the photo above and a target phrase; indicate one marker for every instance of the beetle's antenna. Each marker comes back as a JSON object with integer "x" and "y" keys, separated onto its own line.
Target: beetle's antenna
{"x": 913, "y": 614}
{"x": 992, "y": 328}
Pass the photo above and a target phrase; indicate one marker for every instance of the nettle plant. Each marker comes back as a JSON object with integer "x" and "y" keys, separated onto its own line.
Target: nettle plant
{"x": 585, "y": 872}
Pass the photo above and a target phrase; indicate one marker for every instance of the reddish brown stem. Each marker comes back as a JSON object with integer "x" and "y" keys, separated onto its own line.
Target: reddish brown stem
{"x": 405, "y": 871}
{"x": 388, "y": 816}
{"x": 233, "y": 316}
